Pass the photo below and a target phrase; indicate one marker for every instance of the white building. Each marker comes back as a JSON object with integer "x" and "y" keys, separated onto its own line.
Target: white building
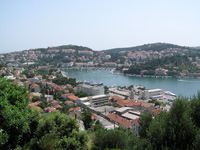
{"x": 153, "y": 93}
{"x": 68, "y": 51}
{"x": 94, "y": 101}
{"x": 161, "y": 72}
{"x": 85, "y": 52}
{"x": 92, "y": 90}
{"x": 107, "y": 57}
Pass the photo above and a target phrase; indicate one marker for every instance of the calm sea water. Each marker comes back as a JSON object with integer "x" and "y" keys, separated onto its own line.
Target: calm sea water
{"x": 184, "y": 87}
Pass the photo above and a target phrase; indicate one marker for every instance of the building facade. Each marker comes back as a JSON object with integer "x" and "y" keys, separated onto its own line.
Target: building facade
{"x": 91, "y": 90}
{"x": 153, "y": 93}
{"x": 94, "y": 101}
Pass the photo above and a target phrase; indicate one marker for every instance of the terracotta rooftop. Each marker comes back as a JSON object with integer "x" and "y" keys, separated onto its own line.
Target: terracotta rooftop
{"x": 50, "y": 109}
{"x": 126, "y": 103}
{"x": 115, "y": 97}
{"x": 67, "y": 102}
{"x": 35, "y": 103}
{"x": 40, "y": 109}
{"x": 73, "y": 109}
{"x": 57, "y": 106}
{"x": 146, "y": 105}
{"x": 28, "y": 81}
{"x": 69, "y": 94}
{"x": 53, "y": 101}
{"x": 31, "y": 96}
{"x": 34, "y": 85}
{"x": 156, "y": 111}
{"x": 119, "y": 120}
{"x": 94, "y": 116}
{"x": 74, "y": 98}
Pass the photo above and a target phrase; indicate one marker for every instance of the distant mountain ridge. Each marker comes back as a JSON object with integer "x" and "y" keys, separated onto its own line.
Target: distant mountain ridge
{"x": 147, "y": 47}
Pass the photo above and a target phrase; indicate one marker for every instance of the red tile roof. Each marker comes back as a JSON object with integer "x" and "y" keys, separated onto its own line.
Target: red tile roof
{"x": 35, "y": 103}
{"x": 31, "y": 96}
{"x": 94, "y": 116}
{"x": 74, "y": 98}
{"x": 156, "y": 111}
{"x": 57, "y": 106}
{"x": 115, "y": 97}
{"x": 69, "y": 94}
{"x": 34, "y": 85}
{"x": 119, "y": 120}
{"x": 67, "y": 102}
{"x": 73, "y": 109}
{"x": 126, "y": 103}
{"x": 28, "y": 81}
{"x": 53, "y": 101}
{"x": 50, "y": 109}
{"x": 40, "y": 109}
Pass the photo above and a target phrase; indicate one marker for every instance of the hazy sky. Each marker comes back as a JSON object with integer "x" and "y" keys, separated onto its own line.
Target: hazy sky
{"x": 98, "y": 24}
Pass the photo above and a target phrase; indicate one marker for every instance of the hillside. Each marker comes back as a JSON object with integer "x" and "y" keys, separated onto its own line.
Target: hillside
{"x": 147, "y": 47}
{"x": 75, "y": 47}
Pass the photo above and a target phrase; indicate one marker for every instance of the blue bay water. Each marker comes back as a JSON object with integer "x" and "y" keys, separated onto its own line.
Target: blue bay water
{"x": 184, "y": 87}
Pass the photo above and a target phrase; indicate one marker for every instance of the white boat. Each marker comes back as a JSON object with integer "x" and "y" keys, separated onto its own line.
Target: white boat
{"x": 170, "y": 93}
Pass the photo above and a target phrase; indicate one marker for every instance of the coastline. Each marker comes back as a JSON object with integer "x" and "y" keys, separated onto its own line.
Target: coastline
{"x": 114, "y": 71}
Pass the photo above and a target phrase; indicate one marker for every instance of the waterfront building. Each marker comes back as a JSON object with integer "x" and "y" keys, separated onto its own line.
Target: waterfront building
{"x": 161, "y": 72}
{"x": 91, "y": 90}
{"x": 153, "y": 93}
{"x": 110, "y": 64}
{"x": 94, "y": 101}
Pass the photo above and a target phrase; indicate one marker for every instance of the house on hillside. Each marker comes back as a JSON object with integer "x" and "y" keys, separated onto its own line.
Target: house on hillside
{"x": 35, "y": 88}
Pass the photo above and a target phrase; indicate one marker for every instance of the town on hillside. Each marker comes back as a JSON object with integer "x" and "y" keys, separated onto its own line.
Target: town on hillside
{"x": 52, "y": 91}
{"x": 180, "y": 62}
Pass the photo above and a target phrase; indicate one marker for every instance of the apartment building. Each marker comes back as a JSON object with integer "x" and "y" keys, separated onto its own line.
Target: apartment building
{"x": 153, "y": 93}
{"x": 94, "y": 101}
{"x": 91, "y": 90}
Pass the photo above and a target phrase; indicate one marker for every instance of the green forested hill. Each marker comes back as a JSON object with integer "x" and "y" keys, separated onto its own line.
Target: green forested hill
{"x": 147, "y": 47}
{"x": 76, "y": 47}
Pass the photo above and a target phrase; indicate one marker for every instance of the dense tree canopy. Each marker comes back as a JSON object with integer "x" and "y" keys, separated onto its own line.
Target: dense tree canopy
{"x": 14, "y": 114}
{"x": 180, "y": 62}
{"x": 23, "y": 127}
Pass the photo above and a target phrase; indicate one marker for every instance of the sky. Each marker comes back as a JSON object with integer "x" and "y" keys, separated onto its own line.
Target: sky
{"x": 97, "y": 24}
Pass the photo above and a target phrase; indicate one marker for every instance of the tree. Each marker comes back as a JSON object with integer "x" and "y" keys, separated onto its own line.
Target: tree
{"x": 97, "y": 126}
{"x": 14, "y": 114}
{"x": 157, "y": 131}
{"x": 106, "y": 89}
{"x": 81, "y": 94}
{"x": 171, "y": 130}
{"x": 35, "y": 98}
{"x": 195, "y": 108}
{"x": 87, "y": 118}
{"x": 110, "y": 139}
{"x": 58, "y": 131}
{"x": 144, "y": 122}
{"x": 180, "y": 128}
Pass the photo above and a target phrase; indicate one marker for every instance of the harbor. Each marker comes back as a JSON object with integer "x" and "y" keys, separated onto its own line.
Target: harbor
{"x": 180, "y": 87}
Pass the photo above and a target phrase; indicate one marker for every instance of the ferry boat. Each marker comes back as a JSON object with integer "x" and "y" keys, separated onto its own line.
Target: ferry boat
{"x": 93, "y": 83}
{"x": 170, "y": 93}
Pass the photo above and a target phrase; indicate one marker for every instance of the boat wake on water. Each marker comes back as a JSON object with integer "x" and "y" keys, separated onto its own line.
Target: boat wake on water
{"x": 185, "y": 81}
